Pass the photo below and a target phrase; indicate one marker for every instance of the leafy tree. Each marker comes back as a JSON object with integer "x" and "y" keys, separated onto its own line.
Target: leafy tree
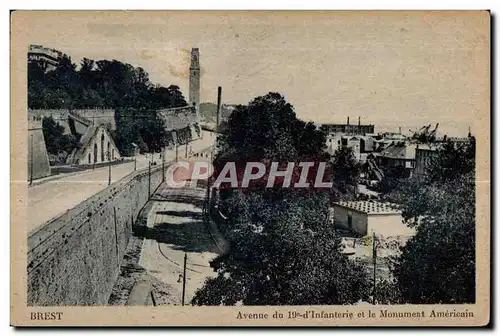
{"x": 437, "y": 265}
{"x": 268, "y": 129}
{"x": 55, "y": 139}
{"x": 208, "y": 112}
{"x": 107, "y": 84}
{"x": 283, "y": 252}
{"x": 345, "y": 170}
{"x": 452, "y": 161}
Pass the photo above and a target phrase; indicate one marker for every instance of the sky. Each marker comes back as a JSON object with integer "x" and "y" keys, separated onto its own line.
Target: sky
{"x": 390, "y": 68}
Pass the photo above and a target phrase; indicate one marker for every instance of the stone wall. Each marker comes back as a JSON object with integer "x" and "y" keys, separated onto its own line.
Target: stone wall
{"x": 75, "y": 259}
{"x": 98, "y": 116}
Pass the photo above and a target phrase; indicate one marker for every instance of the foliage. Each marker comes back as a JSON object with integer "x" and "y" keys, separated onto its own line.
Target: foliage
{"x": 345, "y": 170}
{"x": 267, "y": 128}
{"x": 283, "y": 249}
{"x": 393, "y": 177}
{"x": 55, "y": 139}
{"x": 208, "y": 112}
{"x": 140, "y": 127}
{"x": 437, "y": 265}
{"x": 106, "y": 84}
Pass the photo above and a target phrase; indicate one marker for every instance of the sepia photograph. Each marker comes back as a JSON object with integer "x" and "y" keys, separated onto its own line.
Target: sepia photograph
{"x": 250, "y": 168}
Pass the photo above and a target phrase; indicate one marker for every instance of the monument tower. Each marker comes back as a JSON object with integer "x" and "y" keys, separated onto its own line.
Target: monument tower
{"x": 194, "y": 80}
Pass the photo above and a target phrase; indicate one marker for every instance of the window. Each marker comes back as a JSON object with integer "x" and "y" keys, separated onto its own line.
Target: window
{"x": 349, "y": 220}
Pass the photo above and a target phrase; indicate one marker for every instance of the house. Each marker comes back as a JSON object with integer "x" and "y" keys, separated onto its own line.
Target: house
{"x": 367, "y": 217}
{"x": 424, "y": 155}
{"x": 95, "y": 146}
{"x": 399, "y": 155}
{"x": 181, "y": 124}
{"x": 360, "y": 145}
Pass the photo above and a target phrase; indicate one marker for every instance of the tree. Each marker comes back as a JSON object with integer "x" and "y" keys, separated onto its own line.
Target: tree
{"x": 267, "y": 128}
{"x": 345, "y": 170}
{"x": 283, "y": 252}
{"x": 55, "y": 139}
{"x": 437, "y": 265}
{"x": 109, "y": 84}
{"x": 283, "y": 249}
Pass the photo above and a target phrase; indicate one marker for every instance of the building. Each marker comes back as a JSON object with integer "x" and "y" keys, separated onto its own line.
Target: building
{"x": 364, "y": 218}
{"x": 38, "y": 159}
{"x": 424, "y": 155}
{"x": 349, "y": 129}
{"x": 181, "y": 124}
{"x": 48, "y": 58}
{"x": 399, "y": 155}
{"x": 194, "y": 80}
{"x": 95, "y": 146}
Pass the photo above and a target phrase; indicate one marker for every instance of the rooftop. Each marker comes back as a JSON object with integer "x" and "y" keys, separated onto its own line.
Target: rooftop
{"x": 371, "y": 207}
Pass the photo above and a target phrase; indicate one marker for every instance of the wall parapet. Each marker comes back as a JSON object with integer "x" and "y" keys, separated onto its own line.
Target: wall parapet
{"x": 74, "y": 259}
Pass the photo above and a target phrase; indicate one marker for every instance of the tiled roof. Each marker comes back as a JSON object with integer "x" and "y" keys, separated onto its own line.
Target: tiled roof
{"x": 371, "y": 207}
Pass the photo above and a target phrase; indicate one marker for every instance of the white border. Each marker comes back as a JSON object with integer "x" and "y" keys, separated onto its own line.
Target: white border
{"x": 493, "y": 5}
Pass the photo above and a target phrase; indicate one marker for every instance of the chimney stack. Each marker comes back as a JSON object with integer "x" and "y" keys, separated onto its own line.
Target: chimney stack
{"x": 347, "y": 120}
{"x": 359, "y": 121}
{"x": 399, "y": 129}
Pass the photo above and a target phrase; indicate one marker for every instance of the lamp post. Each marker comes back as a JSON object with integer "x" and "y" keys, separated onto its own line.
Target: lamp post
{"x": 109, "y": 167}
{"x": 135, "y": 156}
{"x": 184, "y": 279}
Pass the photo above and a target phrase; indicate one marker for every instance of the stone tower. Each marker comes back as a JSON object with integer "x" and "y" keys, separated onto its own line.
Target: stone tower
{"x": 194, "y": 80}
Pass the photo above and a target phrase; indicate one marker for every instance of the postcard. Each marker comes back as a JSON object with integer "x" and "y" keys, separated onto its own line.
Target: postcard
{"x": 250, "y": 168}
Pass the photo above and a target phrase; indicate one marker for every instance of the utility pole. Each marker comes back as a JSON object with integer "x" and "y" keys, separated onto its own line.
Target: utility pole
{"x": 374, "y": 267}
{"x": 149, "y": 180}
{"x": 184, "y": 279}
{"x": 176, "y": 152}
{"x": 31, "y": 160}
{"x": 135, "y": 162}
{"x": 163, "y": 164}
{"x": 109, "y": 168}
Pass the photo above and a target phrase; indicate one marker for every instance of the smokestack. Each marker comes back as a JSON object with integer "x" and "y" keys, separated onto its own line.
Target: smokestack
{"x": 399, "y": 129}
{"x": 219, "y": 96}
{"x": 359, "y": 121}
{"x": 347, "y": 120}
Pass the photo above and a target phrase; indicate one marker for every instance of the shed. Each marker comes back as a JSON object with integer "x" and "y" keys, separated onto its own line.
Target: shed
{"x": 365, "y": 217}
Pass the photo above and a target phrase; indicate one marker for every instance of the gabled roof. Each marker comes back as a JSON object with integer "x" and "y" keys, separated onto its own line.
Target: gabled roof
{"x": 399, "y": 150}
{"x": 89, "y": 134}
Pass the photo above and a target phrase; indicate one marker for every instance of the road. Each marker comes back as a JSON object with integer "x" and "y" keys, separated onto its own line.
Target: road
{"x": 176, "y": 228}
{"x": 52, "y": 198}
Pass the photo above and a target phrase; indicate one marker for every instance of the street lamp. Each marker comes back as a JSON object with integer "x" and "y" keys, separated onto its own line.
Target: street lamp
{"x": 135, "y": 156}
{"x": 109, "y": 167}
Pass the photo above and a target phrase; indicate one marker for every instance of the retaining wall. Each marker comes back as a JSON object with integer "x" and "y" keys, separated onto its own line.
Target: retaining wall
{"x": 75, "y": 259}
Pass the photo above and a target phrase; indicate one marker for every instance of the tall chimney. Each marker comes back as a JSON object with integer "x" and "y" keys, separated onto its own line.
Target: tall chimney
{"x": 359, "y": 121}
{"x": 347, "y": 120}
{"x": 399, "y": 129}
